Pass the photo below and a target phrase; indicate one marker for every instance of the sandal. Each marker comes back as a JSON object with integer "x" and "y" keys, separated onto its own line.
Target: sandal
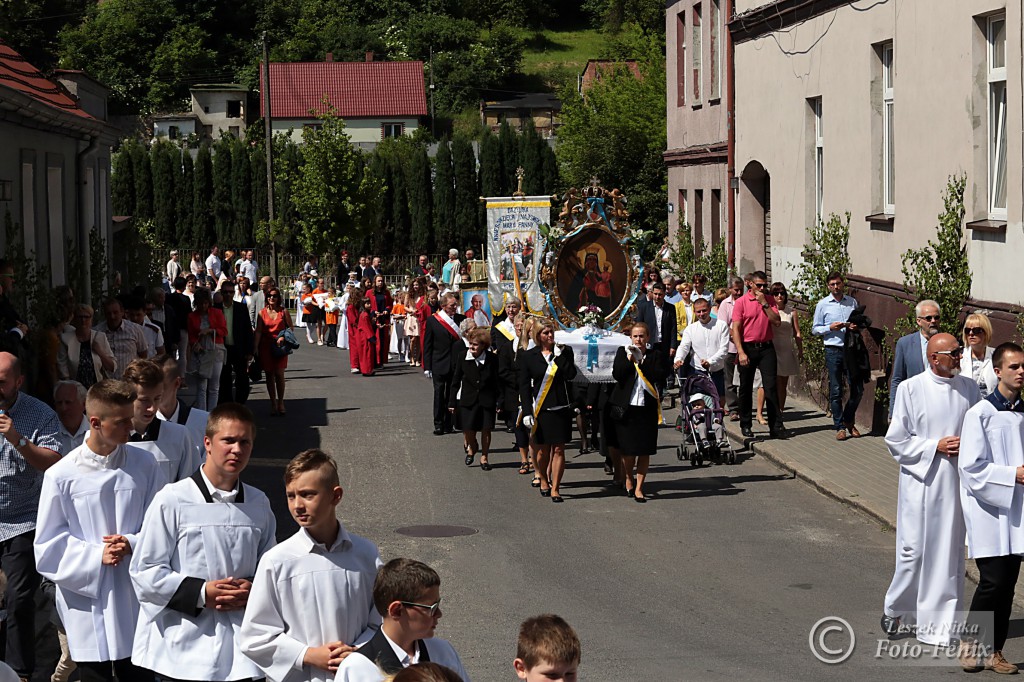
{"x": 535, "y": 483}
{"x": 524, "y": 469}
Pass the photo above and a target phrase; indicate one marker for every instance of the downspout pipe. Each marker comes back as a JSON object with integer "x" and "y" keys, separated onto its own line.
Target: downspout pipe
{"x": 730, "y": 125}
{"x": 83, "y": 232}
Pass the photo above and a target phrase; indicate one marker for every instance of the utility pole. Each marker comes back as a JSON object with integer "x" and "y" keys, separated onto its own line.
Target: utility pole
{"x": 269, "y": 141}
{"x": 432, "y": 133}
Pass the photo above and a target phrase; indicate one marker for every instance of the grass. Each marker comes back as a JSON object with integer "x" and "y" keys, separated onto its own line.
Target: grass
{"x": 551, "y": 52}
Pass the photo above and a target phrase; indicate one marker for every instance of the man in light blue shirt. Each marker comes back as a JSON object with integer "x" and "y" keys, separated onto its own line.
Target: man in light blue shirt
{"x": 831, "y": 316}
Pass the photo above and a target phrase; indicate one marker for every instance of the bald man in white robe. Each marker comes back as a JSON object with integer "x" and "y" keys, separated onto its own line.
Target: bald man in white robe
{"x": 924, "y": 437}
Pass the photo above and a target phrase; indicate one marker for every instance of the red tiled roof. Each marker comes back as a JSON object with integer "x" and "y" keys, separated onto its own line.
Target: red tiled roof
{"x": 355, "y": 89}
{"x": 18, "y": 74}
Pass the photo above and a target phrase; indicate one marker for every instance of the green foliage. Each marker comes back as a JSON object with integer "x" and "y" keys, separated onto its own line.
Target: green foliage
{"x": 509, "y": 148}
{"x": 827, "y": 251}
{"x": 681, "y": 254}
{"x": 164, "y": 158}
{"x": 258, "y": 172}
{"x": 714, "y": 264}
{"x": 99, "y": 268}
{"x": 335, "y": 198}
{"x": 203, "y": 232}
{"x": 531, "y": 155}
{"x": 223, "y": 215}
{"x": 940, "y": 270}
{"x": 420, "y": 203}
{"x": 31, "y": 295}
{"x": 185, "y": 191}
{"x": 241, "y": 195}
{"x": 143, "y": 176}
{"x": 467, "y": 194}
{"x": 122, "y": 188}
{"x": 444, "y": 197}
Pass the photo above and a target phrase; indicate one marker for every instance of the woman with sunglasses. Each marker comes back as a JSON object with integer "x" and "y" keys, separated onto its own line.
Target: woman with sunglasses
{"x": 976, "y": 362}
{"x": 271, "y": 321}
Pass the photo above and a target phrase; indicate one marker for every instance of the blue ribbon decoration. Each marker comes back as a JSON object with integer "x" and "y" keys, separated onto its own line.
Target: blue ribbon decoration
{"x": 591, "y": 350}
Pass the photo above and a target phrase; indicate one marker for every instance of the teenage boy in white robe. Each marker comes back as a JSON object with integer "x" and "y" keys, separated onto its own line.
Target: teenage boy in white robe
{"x": 170, "y": 443}
{"x": 408, "y": 595}
{"x": 312, "y": 597}
{"x": 201, "y": 541}
{"x": 173, "y": 409}
{"x": 924, "y": 438}
{"x": 90, "y": 514}
{"x": 992, "y": 493}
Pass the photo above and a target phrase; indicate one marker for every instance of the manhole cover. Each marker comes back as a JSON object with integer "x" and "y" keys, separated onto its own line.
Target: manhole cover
{"x": 436, "y": 531}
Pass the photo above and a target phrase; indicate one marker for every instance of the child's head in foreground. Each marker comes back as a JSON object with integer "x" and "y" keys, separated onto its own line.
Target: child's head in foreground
{"x": 407, "y": 593}
{"x": 548, "y": 650}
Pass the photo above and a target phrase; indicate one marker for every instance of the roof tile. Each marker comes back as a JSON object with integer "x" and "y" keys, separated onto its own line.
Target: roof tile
{"x": 17, "y": 74}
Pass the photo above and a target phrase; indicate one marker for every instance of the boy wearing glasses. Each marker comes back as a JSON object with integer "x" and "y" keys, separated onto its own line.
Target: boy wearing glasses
{"x": 911, "y": 350}
{"x": 312, "y": 597}
{"x": 408, "y": 595}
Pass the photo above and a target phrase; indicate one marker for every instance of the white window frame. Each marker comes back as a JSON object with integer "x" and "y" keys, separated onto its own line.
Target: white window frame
{"x": 697, "y": 64}
{"x": 685, "y": 90}
{"x": 684, "y": 217}
{"x": 716, "y": 49}
{"x": 888, "y": 132}
{"x": 385, "y": 125}
{"x": 819, "y": 158}
{"x": 996, "y": 119}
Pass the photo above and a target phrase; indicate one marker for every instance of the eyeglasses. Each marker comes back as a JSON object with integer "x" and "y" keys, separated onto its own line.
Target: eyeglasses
{"x": 974, "y": 331}
{"x": 929, "y": 318}
{"x": 274, "y": 296}
{"x": 761, "y": 285}
{"x": 951, "y": 353}
{"x": 432, "y": 609}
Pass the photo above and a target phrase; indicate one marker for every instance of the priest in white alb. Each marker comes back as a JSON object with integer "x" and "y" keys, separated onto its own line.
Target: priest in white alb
{"x": 924, "y": 438}
{"x": 992, "y": 492}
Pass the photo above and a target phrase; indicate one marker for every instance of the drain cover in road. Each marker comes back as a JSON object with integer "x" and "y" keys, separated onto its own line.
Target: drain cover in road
{"x": 436, "y": 531}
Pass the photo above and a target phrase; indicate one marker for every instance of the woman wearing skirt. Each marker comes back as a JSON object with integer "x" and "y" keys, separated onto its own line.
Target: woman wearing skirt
{"x": 636, "y": 404}
{"x": 552, "y": 424}
{"x": 475, "y": 395}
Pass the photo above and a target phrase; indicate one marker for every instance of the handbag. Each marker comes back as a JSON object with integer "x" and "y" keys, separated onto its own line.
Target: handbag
{"x": 280, "y": 350}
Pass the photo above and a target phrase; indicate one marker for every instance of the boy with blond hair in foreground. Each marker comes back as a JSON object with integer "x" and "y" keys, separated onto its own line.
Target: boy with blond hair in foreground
{"x": 548, "y": 650}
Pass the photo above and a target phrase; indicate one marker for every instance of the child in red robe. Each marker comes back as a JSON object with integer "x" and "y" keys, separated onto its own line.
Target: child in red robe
{"x": 366, "y": 341}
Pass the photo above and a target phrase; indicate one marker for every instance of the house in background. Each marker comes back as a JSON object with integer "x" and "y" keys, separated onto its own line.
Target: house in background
{"x": 175, "y": 126}
{"x": 217, "y": 109}
{"x": 377, "y": 100}
{"x": 54, "y": 161}
{"x": 541, "y": 107}
{"x": 596, "y": 69}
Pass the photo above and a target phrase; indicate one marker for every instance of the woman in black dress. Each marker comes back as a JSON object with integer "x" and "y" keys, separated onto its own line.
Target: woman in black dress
{"x": 475, "y": 394}
{"x": 553, "y": 426}
{"x": 637, "y": 403}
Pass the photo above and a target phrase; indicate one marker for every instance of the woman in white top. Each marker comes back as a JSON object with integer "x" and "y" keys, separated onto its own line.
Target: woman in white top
{"x": 976, "y": 362}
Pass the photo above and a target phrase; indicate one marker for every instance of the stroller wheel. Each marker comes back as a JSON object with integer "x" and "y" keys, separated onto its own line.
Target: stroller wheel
{"x": 732, "y": 457}
{"x": 681, "y": 452}
{"x": 696, "y": 460}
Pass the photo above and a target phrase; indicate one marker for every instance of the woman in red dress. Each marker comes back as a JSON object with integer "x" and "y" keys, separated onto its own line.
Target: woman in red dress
{"x": 381, "y": 304}
{"x": 355, "y": 304}
{"x": 269, "y": 323}
{"x": 367, "y": 339}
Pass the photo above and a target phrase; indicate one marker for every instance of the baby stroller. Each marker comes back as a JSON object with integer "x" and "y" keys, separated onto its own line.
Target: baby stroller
{"x": 704, "y": 438}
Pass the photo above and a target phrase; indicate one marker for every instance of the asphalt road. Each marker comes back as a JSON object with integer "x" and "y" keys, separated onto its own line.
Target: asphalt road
{"x": 721, "y": 575}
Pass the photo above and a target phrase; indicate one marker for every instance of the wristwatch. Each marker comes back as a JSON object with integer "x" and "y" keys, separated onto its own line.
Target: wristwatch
{"x": 22, "y": 442}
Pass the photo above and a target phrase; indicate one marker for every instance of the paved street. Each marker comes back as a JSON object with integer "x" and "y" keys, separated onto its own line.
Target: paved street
{"x": 721, "y": 575}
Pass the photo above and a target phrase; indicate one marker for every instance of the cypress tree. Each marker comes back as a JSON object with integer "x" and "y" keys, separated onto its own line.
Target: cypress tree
{"x": 122, "y": 188}
{"x": 377, "y": 167}
{"x": 223, "y": 215}
{"x": 185, "y": 191}
{"x": 532, "y": 160}
{"x": 551, "y": 182}
{"x": 258, "y": 171}
{"x": 241, "y": 194}
{"x": 203, "y": 233}
{"x": 400, "y": 221}
{"x": 509, "y": 158}
{"x": 490, "y": 165}
{"x": 143, "y": 183}
{"x": 467, "y": 193}
{"x": 420, "y": 208}
{"x": 162, "y": 159}
{"x": 444, "y": 197}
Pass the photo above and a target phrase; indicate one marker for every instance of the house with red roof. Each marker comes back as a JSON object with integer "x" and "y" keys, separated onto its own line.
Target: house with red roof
{"x": 377, "y": 99}
{"x": 54, "y": 160}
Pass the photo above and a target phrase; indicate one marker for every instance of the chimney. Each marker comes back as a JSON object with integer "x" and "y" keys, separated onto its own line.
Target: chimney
{"x": 369, "y": 55}
{"x": 330, "y": 57}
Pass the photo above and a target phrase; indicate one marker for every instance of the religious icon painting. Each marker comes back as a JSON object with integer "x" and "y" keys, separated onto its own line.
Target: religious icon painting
{"x": 476, "y": 305}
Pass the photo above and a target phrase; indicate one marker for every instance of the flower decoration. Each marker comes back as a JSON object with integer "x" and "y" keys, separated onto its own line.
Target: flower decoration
{"x": 592, "y": 315}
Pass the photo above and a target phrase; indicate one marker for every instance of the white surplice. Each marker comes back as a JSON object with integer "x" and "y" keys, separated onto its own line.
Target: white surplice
{"x": 305, "y": 594}
{"x": 186, "y": 542}
{"x": 195, "y": 421}
{"x": 84, "y": 497}
{"x": 173, "y": 448}
{"x": 927, "y": 587}
{"x": 991, "y": 449}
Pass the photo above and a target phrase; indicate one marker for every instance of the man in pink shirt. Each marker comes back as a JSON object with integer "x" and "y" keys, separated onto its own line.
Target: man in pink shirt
{"x": 754, "y": 317}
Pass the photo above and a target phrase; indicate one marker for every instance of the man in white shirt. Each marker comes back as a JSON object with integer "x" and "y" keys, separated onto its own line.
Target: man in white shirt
{"x": 213, "y": 268}
{"x": 288, "y": 640}
{"x": 201, "y": 537}
{"x": 991, "y": 466}
{"x": 173, "y": 268}
{"x": 924, "y": 439}
{"x": 69, "y": 404}
{"x": 708, "y": 340}
{"x": 249, "y": 269}
{"x": 127, "y": 340}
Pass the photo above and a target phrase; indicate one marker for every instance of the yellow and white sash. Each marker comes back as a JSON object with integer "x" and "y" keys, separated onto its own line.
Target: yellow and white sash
{"x": 650, "y": 389}
{"x": 545, "y": 387}
{"x": 507, "y": 329}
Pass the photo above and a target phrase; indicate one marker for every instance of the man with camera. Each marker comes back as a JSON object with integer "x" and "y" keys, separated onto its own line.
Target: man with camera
{"x": 831, "y": 322}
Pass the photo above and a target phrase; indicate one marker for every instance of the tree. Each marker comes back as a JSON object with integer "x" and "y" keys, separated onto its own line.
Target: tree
{"x": 509, "y": 158}
{"x": 162, "y": 157}
{"x": 258, "y": 170}
{"x": 203, "y": 232}
{"x": 143, "y": 183}
{"x": 444, "y": 197}
{"x": 241, "y": 194}
{"x": 491, "y": 180}
{"x": 223, "y": 216}
{"x": 400, "y": 220}
{"x": 122, "y": 188}
{"x": 420, "y": 208}
{"x": 185, "y": 191}
{"x": 550, "y": 165}
{"x": 335, "y": 198}
{"x": 467, "y": 194}
{"x": 532, "y": 160}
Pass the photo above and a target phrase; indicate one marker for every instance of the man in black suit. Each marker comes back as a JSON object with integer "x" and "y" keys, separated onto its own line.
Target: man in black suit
{"x": 660, "y": 318}
{"x": 442, "y": 346}
{"x": 238, "y": 346}
{"x": 341, "y": 276}
{"x": 182, "y": 306}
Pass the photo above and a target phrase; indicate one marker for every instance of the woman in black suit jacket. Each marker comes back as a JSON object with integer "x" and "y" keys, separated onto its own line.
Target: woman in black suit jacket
{"x": 475, "y": 393}
{"x": 637, "y": 430}
{"x": 554, "y": 423}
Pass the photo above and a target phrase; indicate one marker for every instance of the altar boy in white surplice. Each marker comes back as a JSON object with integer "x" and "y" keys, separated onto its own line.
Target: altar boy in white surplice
{"x": 992, "y": 492}
{"x": 924, "y": 438}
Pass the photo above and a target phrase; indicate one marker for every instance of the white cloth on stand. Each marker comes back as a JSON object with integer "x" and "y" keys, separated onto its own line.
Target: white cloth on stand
{"x": 607, "y": 346}
{"x": 927, "y": 586}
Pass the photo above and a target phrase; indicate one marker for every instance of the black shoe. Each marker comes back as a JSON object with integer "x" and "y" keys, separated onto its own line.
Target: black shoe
{"x": 781, "y": 434}
{"x": 438, "y": 432}
{"x": 469, "y": 460}
{"x": 556, "y": 499}
{"x": 745, "y": 430}
{"x": 545, "y": 493}
{"x": 890, "y": 625}
{"x": 641, "y": 500}
{"x": 486, "y": 466}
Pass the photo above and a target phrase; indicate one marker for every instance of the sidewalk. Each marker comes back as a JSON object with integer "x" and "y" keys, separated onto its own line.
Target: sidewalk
{"x": 859, "y": 472}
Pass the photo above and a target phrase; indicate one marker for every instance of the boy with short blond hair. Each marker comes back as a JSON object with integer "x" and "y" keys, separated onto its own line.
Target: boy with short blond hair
{"x": 548, "y": 650}
{"x": 312, "y": 597}
{"x": 91, "y": 510}
{"x": 407, "y": 594}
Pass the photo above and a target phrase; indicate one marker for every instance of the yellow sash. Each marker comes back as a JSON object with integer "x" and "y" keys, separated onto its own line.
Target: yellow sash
{"x": 509, "y": 334}
{"x": 545, "y": 387}
{"x": 650, "y": 389}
